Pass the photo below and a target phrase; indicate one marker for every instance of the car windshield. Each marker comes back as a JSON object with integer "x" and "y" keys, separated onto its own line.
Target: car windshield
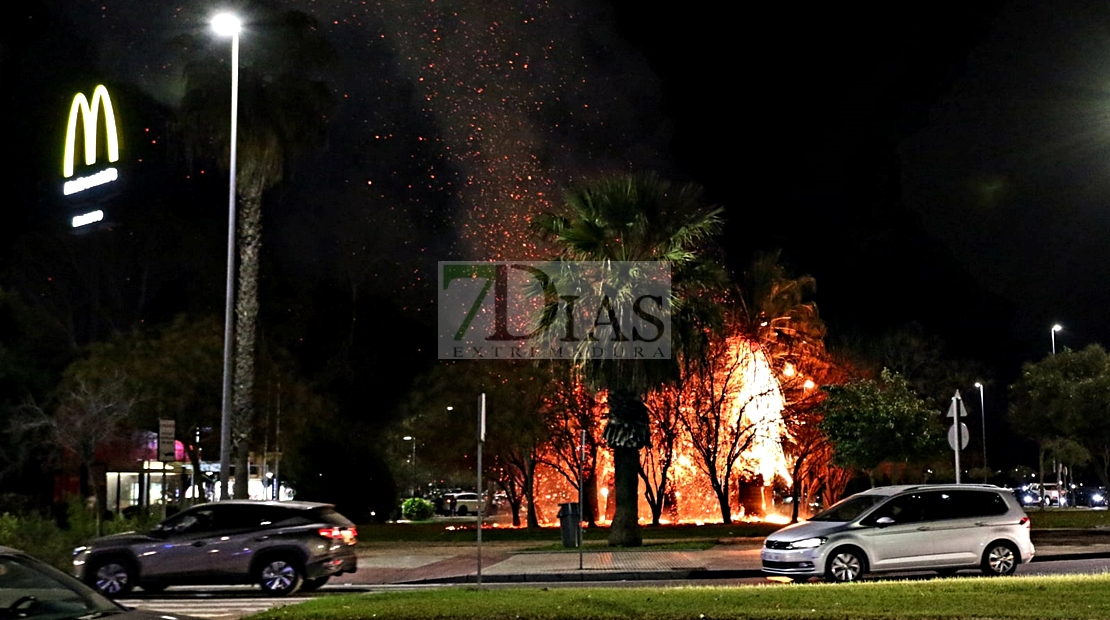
{"x": 849, "y": 509}
{"x": 31, "y": 589}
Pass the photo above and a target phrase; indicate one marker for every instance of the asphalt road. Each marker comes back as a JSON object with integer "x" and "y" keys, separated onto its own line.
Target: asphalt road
{"x": 230, "y": 603}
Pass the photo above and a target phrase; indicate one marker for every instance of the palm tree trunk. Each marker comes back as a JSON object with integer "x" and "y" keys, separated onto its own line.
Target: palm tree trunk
{"x": 246, "y": 323}
{"x": 530, "y": 492}
{"x": 625, "y": 529}
{"x": 626, "y": 433}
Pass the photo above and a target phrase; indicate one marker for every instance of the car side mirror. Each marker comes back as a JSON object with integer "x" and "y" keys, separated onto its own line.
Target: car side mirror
{"x": 884, "y": 521}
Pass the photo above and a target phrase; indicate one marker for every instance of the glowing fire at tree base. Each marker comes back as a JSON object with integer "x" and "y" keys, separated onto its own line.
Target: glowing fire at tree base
{"x": 753, "y": 406}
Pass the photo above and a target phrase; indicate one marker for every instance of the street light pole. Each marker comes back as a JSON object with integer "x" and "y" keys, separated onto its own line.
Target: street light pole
{"x": 983, "y": 416}
{"x": 1055, "y": 328}
{"x": 226, "y": 24}
{"x": 412, "y": 461}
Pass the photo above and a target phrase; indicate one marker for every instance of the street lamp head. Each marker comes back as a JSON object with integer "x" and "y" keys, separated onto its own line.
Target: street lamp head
{"x": 1056, "y": 327}
{"x": 226, "y": 24}
{"x": 408, "y": 438}
{"x": 978, "y": 385}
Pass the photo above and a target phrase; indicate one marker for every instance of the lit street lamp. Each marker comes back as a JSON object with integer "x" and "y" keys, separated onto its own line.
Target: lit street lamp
{"x": 983, "y": 415}
{"x": 412, "y": 461}
{"x": 1055, "y": 328}
{"x": 226, "y": 24}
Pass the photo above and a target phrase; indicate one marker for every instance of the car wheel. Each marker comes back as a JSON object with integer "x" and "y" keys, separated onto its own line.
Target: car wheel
{"x": 312, "y": 585}
{"x": 1000, "y": 558}
{"x": 111, "y": 577}
{"x": 278, "y": 576}
{"x": 462, "y": 511}
{"x": 845, "y": 564}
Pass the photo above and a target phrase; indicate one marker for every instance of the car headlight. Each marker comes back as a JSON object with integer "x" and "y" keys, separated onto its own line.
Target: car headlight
{"x": 807, "y": 543}
{"x": 80, "y": 550}
{"x": 1096, "y": 498}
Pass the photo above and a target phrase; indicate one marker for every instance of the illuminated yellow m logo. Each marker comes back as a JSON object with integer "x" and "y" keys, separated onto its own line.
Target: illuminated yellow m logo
{"x": 90, "y": 115}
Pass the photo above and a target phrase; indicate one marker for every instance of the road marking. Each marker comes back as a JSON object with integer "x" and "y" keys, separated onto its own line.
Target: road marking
{"x": 224, "y": 609}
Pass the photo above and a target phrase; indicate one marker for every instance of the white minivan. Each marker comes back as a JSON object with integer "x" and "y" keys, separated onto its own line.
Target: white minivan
{"x": 942, "y": 528}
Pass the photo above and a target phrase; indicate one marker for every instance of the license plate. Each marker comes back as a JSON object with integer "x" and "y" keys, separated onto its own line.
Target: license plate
{"x": 773, "y": 557}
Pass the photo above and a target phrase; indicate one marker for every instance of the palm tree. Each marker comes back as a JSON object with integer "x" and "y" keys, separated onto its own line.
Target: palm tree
{"x": 639, "y": 217}
{"x": 775, "y": 311}
{"x": 283, "y": 109}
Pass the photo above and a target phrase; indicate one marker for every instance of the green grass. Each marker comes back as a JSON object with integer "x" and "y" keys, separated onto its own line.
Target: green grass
{"x": 1057, "y": 518}
{"x": 1074, "y": 596}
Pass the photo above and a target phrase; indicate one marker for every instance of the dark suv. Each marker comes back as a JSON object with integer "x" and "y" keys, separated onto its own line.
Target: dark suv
{"x": 282, "y": 546}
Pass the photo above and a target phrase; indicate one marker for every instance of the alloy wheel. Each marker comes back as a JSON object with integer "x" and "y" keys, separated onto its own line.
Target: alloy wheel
{"x": 112, "y": 578}
{"x": 845, "y": 566}
{"x": 1001, "y": 560}
{"x": 278, "y": 576}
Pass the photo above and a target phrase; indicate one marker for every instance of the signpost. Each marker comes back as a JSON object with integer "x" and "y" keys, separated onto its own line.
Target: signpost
{"x": 957, "y": 433}
{"x": 167, "y": 451}
{"x": 481, "y": 499}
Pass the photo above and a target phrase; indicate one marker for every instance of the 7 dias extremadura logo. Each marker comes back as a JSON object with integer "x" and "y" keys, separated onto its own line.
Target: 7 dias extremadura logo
{"x": 554, "y": 310}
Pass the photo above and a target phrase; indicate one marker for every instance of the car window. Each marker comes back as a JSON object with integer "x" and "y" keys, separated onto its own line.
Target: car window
{"x": 237, "y": 517}
{"x": 57, "y": 595}
{"x": 849, "y": 509}
{"x": 908, "y": 508}
{"x": 191, "y": 521}
{"x": 964, "y": 504}
{"x": 330, "y": 516}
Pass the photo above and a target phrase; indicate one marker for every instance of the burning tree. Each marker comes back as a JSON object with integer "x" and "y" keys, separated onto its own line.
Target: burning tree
{"x": 776, "y": 313}
{"x": 572, "y": 420}
{"x": 635, "y": 218}
{"x": 664, "y": 405}
{"x": 735, "y": 408}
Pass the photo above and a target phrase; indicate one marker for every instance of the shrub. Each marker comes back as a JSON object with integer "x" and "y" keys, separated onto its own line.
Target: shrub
{"x": 41, "y": 536}
{"x": 417, "y": 509}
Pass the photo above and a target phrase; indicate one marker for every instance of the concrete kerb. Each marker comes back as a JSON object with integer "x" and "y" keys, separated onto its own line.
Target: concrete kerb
{"x": 455, "y": 564}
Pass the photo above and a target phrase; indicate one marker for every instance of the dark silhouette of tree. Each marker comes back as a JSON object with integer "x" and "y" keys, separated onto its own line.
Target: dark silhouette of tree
{"x": 870, "y": 422}
{"x": 1063, "y": 396}
{"x": 284, "y": 106}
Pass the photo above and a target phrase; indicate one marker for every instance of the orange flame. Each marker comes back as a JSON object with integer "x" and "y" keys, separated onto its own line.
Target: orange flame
{"x": 754, "y": 405}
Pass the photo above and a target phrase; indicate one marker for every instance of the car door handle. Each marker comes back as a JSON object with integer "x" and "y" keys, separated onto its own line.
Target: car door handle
{"x": 261, "y": 538}
{"x": 981, "y": 523}
{"x": 924, "y": 528}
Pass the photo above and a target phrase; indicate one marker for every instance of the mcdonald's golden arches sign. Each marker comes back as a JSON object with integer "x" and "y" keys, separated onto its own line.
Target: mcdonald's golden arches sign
{"x": 90, "y": 114}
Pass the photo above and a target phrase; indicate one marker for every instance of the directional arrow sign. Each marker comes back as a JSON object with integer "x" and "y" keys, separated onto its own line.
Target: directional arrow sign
{"x": 957, "y": 405}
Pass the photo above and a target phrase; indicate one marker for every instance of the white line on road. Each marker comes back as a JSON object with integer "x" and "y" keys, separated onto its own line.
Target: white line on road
{"x": 212, "y": 608}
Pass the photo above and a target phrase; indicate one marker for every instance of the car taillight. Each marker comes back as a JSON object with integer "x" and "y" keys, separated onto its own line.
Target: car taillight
{"x": 346, "y": 534}
{"x": 1025, "y": 521}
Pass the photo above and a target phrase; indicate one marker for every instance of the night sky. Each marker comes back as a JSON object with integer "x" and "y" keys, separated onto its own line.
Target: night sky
{"x": 945, "y": 163}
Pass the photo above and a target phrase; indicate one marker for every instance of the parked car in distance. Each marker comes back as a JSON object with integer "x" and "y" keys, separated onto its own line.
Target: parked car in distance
{"x": 30, "y": 588}
{"x": 942, "y": 528}
{"x": 464, "y": 503}
{"x": 1089, "y": 497}
{"x": 281, "y": 546}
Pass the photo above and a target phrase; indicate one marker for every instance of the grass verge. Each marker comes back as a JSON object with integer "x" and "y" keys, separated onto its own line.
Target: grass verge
{"x": 1065, "y": 518}
{"x": 1064, "y": 597}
